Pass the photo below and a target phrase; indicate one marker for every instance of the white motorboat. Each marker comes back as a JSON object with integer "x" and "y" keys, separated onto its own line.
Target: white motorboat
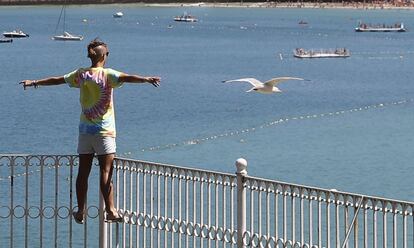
{"x": 68, "y": 37}
{"x": 118, "y": 15}
{"x": 185, "y": 18}
{"x": 15, "y": 34}
{"x": 322, "y": 53}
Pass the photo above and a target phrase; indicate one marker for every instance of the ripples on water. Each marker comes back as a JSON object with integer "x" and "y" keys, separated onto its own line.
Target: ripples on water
{"x": 195, "y": 120}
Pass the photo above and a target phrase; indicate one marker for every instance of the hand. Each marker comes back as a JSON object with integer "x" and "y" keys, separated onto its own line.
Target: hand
{"x": 29, "y": 83}
{"x": 154, "y": 81}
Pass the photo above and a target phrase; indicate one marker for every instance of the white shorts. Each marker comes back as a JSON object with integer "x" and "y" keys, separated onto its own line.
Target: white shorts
{"x": 91, "y": 144}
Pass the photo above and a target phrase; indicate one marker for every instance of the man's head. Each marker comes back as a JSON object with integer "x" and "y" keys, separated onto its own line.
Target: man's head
{"x": 97, "y": 51}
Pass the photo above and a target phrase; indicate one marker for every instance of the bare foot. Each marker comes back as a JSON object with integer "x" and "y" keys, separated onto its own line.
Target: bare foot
{"x": 113, "y": 216}
{"x": 78, "y": 217}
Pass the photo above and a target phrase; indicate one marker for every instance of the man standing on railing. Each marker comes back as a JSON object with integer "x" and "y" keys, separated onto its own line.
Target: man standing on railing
{"x": 97, "y": 122}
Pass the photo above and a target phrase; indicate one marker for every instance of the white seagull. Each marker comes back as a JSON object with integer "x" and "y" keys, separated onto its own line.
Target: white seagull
{"x": 267, "y": 87}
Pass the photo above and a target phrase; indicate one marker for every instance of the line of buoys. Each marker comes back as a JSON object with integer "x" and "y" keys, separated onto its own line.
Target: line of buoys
{"x": 197, "y": 141}
{"x": 27, "y": 173}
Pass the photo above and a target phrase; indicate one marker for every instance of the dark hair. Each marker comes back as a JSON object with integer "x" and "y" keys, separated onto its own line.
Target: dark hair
{"x": 95, "y": 43}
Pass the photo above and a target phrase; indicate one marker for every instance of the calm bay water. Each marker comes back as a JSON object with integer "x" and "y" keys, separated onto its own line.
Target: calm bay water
{"x": 368, "y": 151}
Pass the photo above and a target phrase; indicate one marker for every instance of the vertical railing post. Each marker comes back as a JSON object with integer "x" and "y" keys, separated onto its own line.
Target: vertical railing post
{"x": 11, "y": 199}
{"x": 103, "y": 241}
{"x": 241, "y": 165}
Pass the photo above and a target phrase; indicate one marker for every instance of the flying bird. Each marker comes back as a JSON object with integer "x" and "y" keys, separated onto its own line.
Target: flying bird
{"x": 267, "y": 87}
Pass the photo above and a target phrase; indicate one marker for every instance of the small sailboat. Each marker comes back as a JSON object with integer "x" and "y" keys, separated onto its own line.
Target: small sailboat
{"x": 66, "y": 36}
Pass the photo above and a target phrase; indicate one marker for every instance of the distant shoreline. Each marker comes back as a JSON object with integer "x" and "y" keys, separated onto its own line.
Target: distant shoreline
{"x": 310, "y": 5}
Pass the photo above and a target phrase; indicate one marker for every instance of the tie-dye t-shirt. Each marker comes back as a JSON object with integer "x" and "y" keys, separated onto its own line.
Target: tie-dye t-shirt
{"x": 96, "y": 99}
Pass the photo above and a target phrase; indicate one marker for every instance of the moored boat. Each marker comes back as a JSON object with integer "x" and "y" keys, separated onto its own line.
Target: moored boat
{"x": 363, "y": 27}
{"x": 185, "y": 18}
{"x": 68, "y": 37}
{"x": 15, "y": 34}
{"x": 118, "y": 15}
{"x": 322, "y": 53}
{"x": 6, "y": 40}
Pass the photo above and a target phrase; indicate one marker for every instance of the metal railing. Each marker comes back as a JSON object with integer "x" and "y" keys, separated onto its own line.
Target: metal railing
{"x": 171, "y": 206}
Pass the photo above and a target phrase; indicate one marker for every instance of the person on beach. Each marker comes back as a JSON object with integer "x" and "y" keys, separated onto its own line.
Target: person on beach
{"x": 97, "y": 122}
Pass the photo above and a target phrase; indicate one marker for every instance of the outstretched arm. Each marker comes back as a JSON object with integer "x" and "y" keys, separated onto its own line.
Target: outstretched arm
{"x": 139, "y": 79}
{"x": 44, "y": 82}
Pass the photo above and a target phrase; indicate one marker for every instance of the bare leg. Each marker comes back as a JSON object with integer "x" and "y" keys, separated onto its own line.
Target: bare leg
{"x": 106, "y": 169}
{"x": 85, "y": 165}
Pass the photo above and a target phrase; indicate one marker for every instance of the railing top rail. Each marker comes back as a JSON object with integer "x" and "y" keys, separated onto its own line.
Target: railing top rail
{"x": 21, "y": 155}
{"x": 229, "y": 175}
{"x": 257, "y": 180}
{"x": 15, "y": 155}
{"x": 329, "y": 191}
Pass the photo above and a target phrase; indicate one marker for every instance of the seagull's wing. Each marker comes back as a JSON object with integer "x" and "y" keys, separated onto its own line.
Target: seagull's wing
{"x": 274, "y": 81}
{"x": 252, "y": 81}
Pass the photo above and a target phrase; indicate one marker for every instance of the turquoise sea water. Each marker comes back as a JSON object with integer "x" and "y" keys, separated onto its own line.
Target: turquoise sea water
{"x": 366, "y": 150}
